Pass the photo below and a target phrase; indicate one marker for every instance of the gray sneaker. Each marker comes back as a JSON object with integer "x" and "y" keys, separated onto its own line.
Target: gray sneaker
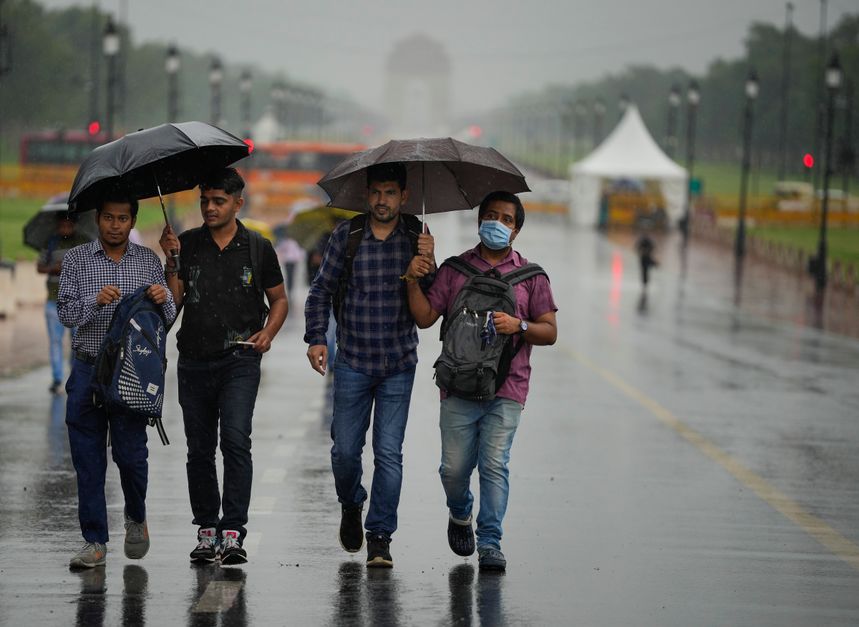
{"x": 490, "y": 558}
{"x": 92, "y": 554}
{"x": 136, "y": 539}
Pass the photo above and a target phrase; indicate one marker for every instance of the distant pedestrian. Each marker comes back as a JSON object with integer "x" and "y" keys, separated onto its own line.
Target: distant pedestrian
{"x": 94, "y": 278}
{"x": 645, "y": 248}
{"x": 479, "y": 433}
{"x": 376, "y": 356}
{"x": 226, "y": 273}
{"x": 289, "y": 253}
{"x": 51, "y": 263}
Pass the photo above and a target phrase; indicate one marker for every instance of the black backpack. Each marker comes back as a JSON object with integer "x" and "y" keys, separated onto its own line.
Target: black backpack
{"x": 357, "y": 224}
{"x": 475, "y": 360}
{"x": 128, "y": 376}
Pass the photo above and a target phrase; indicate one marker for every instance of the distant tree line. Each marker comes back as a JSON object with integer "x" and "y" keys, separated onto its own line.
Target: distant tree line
{"x": 552, "y": 111}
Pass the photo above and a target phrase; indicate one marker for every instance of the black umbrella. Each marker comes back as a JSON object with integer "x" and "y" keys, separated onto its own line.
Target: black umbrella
{"x": 443, "y": 175}
{"x": 42, "y": 226}
{"x": 155, "y": 161}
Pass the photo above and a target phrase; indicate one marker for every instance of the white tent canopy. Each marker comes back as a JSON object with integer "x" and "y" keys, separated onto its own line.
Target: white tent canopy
{"x": 628, "y": 152}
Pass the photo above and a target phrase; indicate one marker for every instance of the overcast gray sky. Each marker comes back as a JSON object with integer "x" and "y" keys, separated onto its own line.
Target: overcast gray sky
{"x": 497, "y": 47}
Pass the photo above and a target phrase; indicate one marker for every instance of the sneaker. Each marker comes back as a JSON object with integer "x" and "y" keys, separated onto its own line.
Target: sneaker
{"x": 92, "y": 554}
{"x": 490, "y": 558}
{"x": 460, "y": 537}
{"x": 231, "y": 551}
{"x": 207, "y": 546}
{"x": 136, "y": 539}
{"x": 351, "y": 528}
{"x": 378, "y": 551}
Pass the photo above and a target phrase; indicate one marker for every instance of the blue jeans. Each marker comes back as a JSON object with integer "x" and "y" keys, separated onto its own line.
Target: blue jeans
{"x": 354, "y": 395}
{"x": 88, "y": 425}
{"x": 480, "y": 434}
{"x": 55, "y": 339}
{"x": 211, "y": 392}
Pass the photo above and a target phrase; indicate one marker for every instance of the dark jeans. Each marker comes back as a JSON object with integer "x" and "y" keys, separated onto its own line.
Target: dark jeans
{"x": 211, "y": 392}
{"x": 355, "y": 395}
{"x": 88, "y": 427}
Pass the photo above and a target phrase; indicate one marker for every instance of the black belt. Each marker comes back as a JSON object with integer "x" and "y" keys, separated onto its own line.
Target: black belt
{"x": 85, "y": 357}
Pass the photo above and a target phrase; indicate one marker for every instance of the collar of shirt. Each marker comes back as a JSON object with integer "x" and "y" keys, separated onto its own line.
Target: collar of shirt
{"x": 96, "y": 248}
{"x": 368, "y": 231}
{"x": 473, "y": 257}
{"x": 240, "y": 236}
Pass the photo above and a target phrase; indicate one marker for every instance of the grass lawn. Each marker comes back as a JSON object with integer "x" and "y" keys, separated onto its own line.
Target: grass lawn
{"x": 842, "y": 243}
{"x": 15, "y": 212}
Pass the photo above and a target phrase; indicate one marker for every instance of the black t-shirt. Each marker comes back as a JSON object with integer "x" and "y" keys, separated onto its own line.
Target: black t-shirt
{"x": 221, "y": 303}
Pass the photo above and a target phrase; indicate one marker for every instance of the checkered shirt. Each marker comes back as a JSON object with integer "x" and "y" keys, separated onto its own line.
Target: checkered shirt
{"x": 376, "y": 334}
{"x": 87, "y": 269}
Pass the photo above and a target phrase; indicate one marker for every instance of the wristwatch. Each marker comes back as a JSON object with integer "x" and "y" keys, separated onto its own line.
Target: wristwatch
{"x": 523, "y": 326}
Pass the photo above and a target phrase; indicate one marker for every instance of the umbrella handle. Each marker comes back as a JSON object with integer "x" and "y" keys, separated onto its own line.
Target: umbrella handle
{"x": 174, "y": 254}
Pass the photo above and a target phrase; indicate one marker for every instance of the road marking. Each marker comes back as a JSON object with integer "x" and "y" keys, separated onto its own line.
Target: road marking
{"x": 274, "y": 475}
{"x": 251, "y": 543}
{"x": 839, "y": 545}
{"x": 218, "y": 597}
{"x": 262, "y": 505}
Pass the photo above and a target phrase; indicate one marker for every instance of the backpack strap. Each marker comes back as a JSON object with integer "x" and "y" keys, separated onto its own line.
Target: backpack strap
{"x": 461, "y": 266}
{"x": 528, "y": 271}
{"x": 414, "y": 227}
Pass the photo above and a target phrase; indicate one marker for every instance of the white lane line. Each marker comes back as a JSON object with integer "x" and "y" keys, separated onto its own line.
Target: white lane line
{"x": 218, "y": 597}
{"x": 251, "y": 543}
{"x": 262, "y": 505}
{"x": 274, "y": 475}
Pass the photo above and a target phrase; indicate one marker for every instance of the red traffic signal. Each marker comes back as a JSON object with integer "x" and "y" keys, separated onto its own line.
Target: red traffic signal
{"x": 808, "y": 160}
{"x": 250, "y": 145}
{"x": 94, "y": 127}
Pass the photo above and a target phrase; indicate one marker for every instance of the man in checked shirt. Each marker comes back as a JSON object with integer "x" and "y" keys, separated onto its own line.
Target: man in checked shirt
{"x": 376, "y": 356}
{"x": 95, "y": 276}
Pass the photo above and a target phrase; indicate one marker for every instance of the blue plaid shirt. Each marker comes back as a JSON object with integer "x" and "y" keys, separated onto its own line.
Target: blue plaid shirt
{"x": 87, "y": 269}
{"x": 376, "y": 334}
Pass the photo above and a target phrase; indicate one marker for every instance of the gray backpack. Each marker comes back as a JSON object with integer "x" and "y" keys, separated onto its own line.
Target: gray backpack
{"x": 474, "y": 359}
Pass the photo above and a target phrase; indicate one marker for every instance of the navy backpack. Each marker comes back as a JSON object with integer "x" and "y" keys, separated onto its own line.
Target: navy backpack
{"x": 129, "y": 370}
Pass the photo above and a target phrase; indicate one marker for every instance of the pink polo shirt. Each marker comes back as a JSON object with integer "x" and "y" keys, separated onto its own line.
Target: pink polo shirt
{"x": 533, "y": 299}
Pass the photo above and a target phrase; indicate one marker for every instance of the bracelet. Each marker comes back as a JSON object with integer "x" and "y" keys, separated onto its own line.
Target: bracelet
{"x": 170, "y": 269}
{"x": 407, "y": 278}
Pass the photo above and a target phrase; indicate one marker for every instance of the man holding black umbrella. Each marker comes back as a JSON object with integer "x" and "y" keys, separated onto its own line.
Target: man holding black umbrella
{"x": 225, "y": 270}
{"x": 376, "y": 355}
{"x": 93, "y": 280}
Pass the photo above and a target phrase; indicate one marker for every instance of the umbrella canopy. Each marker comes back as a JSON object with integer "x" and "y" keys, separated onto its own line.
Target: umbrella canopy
{"x": 42, "y": 226}
{"x": 261, "y": 227}
{"x": 443, "y": 175}
{"x": 160, "y": 160}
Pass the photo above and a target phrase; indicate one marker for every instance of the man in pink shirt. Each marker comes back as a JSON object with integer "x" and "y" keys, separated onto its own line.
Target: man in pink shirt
{"x": 480, "y": 433}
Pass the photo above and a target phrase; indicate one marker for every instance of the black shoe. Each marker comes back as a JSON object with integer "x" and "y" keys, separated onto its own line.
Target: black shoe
{"x": 351, "y": 528}
{"x": 491, "y": 558}
{"x": 231, "y": 551}
{"x": 378, "y": 551}
{"x": 460, "y": 537}
{"x": 207, "y": 546}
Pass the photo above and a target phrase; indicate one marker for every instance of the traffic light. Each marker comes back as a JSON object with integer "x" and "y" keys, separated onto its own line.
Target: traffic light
{"x": 808, "y": 160}
{"x": 93, "y": 128}
{"x": 250, "y": 144}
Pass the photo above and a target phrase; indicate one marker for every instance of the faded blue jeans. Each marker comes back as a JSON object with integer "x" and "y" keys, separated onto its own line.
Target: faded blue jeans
{"x": 355, "y": 394}
{"x": 478, "y": 434}
{"x": 56, "y": 330}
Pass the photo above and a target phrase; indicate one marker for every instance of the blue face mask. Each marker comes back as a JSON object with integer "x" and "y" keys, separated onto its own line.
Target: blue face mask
{"x": 494, "y": 235}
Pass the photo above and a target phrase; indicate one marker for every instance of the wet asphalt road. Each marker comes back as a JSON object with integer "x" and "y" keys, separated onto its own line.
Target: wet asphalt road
{"x": 681, "y": 461}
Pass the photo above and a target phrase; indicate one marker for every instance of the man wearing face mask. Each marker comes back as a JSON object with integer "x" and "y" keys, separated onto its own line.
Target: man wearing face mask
{"x": 480, "y": 433}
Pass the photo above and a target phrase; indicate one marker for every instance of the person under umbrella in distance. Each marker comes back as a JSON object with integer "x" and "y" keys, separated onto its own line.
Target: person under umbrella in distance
{"x": 226, "y": 272}
{"x": 94, "y": 277}
{"x": 51, "y": 263}
{"x": 376, "y": 356}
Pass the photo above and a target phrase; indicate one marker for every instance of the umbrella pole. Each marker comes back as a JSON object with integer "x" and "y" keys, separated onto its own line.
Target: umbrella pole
{"x": 174, "y": 254}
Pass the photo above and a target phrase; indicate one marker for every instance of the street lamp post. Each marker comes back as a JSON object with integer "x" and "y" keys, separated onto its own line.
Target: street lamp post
{"x": 751, "y": 95}
{"x": 785, "y": 100}
{"x": 245, "y": 86}
{"x": 110, "y": 48}
{"x": 216, "y": 77}
{"x": 693, "y": 97}
{"x": 172, "y": 65}
{"x": 833, "y": 83}
{"x": 671, "y": 126}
